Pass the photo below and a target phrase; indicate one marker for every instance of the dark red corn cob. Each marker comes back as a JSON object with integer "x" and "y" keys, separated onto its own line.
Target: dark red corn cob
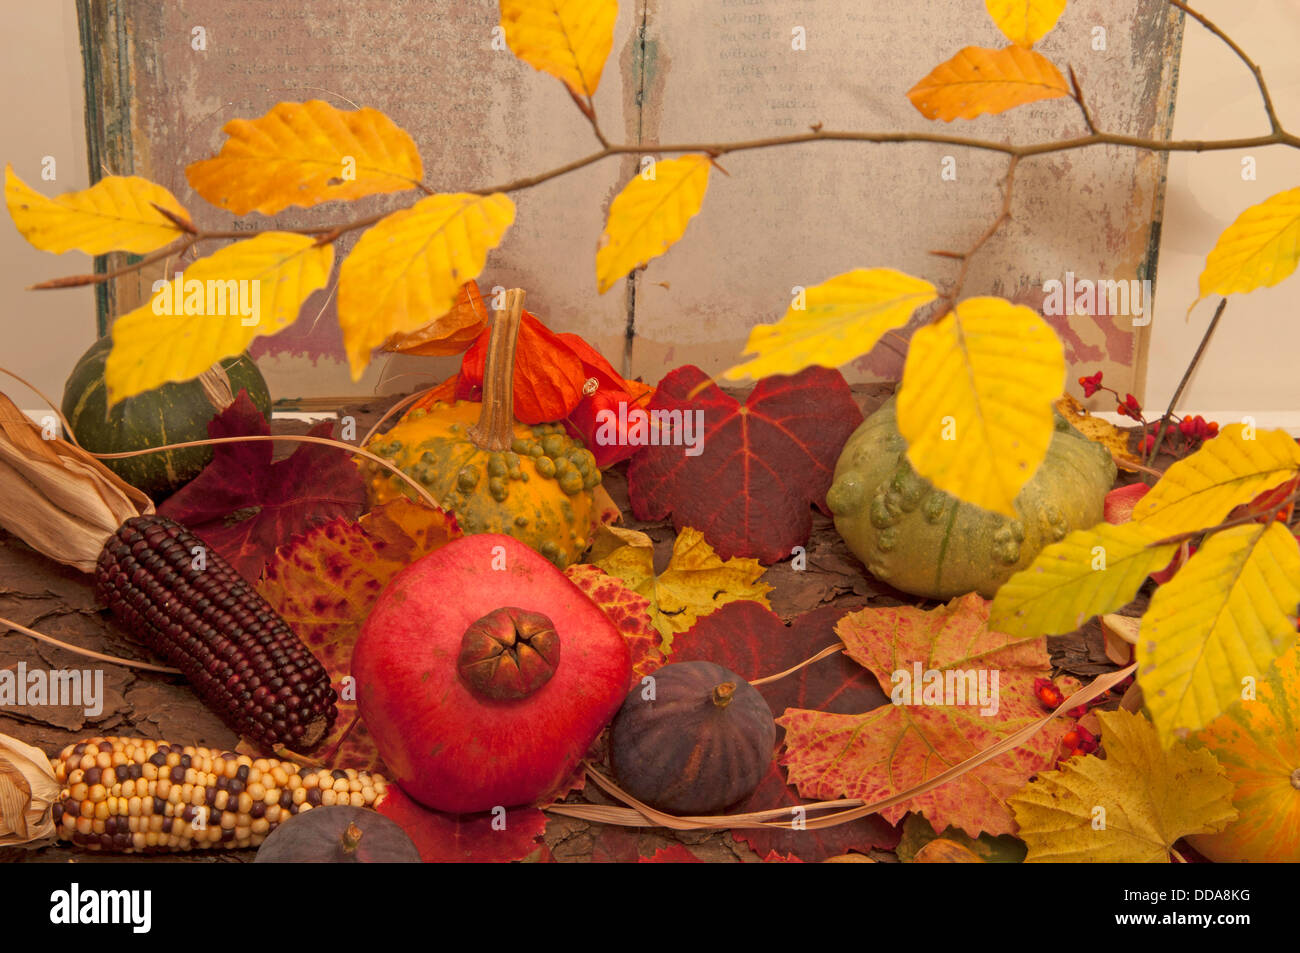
{"x": 241, "y": 657}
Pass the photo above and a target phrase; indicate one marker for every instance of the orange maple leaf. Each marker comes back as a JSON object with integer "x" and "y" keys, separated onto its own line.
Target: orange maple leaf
{"x": 885, "y": 751}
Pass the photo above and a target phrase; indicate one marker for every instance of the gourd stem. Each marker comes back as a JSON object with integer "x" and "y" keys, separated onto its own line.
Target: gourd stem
{"x": 351, "y": 838}
{"x": 723, "y": 694}
{"x": 495, "y": 429}
{"x": 216, "y": 387}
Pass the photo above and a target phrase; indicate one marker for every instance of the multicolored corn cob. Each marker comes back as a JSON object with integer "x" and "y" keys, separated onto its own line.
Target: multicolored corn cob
{"x": 133, "y": 795}
{"x": 184, "y": 601}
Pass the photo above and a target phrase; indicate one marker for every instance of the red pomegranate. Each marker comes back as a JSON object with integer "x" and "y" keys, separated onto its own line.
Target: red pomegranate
{"x": 484, "y": 675}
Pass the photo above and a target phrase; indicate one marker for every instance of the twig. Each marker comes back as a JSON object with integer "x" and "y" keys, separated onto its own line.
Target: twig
{"x": 74, "y": 281}
{"x": 1270, "y": 513}
{"x": 1187, "y": 375}
{"x": 292, "y": 438}
{"x": 1241, "y": 54}
{"x": 1003, "y": 216}
{"x": 1078, "y": 98}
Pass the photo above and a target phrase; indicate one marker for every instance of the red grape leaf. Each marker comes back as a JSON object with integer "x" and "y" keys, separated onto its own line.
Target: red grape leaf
{"x": 244, "y": 506}
{"x": 676, "y": 854}
{"x": 325, "y": 583}
{"x": 630, "y": 613}
{"x": 465, "y": 838}
{"x": 753, "y": 642}
{"x": 759, "y": 467}
{"x": 883, "y": 752}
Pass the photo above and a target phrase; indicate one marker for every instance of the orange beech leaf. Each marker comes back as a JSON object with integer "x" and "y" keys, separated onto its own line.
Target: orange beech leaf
{"x": 450, "y": 334}
{"x": 978, "y": 81}
{"x": 884, "y": 751}
{"x": 304, "y": 154}
{"x": 325, "y": 583}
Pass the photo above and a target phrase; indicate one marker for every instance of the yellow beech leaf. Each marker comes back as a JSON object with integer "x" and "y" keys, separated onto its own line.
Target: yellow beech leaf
{"x": 1025, "y": 22}
{"x": 115, "y": 214}
{"x": 975, "y": 405}
{"x": 1223, "y": 618}
{"x": 215, "y": 309}
{"x": 1130, "y": 807}
{"x": 1099, "y": 430}
{"x": 406, "y": 271}
{"x": 978, "y": 81}
{"x": 834, "y": 322}
{"x": 695, "y": 582}
{"x": 649, "y": 215}
{"x": 1258, "y": 250}
{"x": 304, "y": 154}
{"x": 1232, "y": 468}
{"x": 570, "y": 39}
{"x": 1090, "y": 572}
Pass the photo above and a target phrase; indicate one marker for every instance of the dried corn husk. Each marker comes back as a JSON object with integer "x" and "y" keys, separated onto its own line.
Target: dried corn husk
{"x": 28, "y": 790}
{"x": 57, "y": 498}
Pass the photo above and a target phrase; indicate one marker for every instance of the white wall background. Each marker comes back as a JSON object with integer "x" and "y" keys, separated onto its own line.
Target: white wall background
{"x": 42, "y": 333}
{"x": 1250, "y": 368}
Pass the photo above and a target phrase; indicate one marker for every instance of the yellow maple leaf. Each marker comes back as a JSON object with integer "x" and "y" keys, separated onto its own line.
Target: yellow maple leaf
{"x": 695, "y": 582}
{"x": 649, "y": 215}
{"x": 1231, "y": 469}
{"x": 978, "y": 81}
{"x": 570, "y": 39}
{"x": 1099, "y": 430}
{"x": 831, "y": 323}
{"x": 1090, "y": 572}
{"x": 975, "y": 404}
{"x": 1025, "y": 22}
{"x": 1258, "y": 250}
{"x": 1223, "y": 618}
{"x": 246, "y": 290}
{"x": 115, "y": 214}
{"x": 407, "y": 271}
{"x": 304, "y": 154}
{"x": 1130, "y": 807}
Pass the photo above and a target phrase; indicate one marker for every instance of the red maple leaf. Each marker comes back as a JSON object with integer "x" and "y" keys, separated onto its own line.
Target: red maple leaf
{"x": 753, "y": 642}
{"x": 499, "y": 837}
{"x": 760, "y": 466}
{"x": 244, "y": 506}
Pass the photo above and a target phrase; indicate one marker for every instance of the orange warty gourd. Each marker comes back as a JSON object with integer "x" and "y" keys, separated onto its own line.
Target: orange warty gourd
{"x": 496, "y": 474}
{"x": 1258, "y": 743}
